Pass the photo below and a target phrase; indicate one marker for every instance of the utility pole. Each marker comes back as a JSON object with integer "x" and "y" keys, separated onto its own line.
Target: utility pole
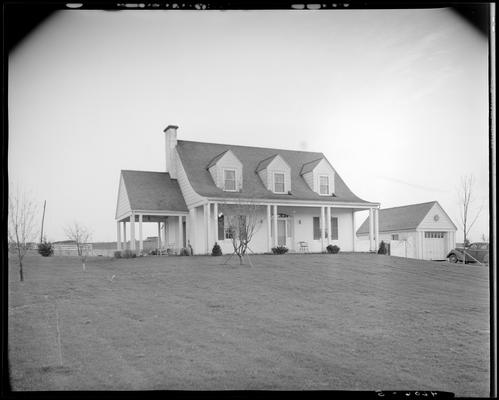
{"x": 43, "y": 218}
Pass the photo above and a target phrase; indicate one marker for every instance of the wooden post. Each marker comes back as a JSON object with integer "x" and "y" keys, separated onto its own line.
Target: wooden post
{"x": 329, "y": 233}
{"x": 275, "y": 225}
{"x": 159, "y": 235}
{"x": 323, "y": 228}
{"x": 205, "y": 228}
{"x": 180, "y": 234}
{"x": 208, "y": 227}
{"x": 376, "y": 229}
{"x": 125, "y": 244}
{"x": 141, "y": 243}
{"x": 165, "y": 234}
{"x": 354, "y": 236}
{"x": 269, "y": 228}
{"x": 118, "y": 235}
{"x": 371, "y": 229}
{"x": 132, "y": 232}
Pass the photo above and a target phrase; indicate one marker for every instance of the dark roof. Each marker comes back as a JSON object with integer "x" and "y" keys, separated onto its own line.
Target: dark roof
{"x": 154, "y": 191}
{"x": 399, "y": 218}
{"x": 195, "y": 156}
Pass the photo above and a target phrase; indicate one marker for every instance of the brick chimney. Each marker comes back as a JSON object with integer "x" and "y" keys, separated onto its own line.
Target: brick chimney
{"x": 170, "y": 144}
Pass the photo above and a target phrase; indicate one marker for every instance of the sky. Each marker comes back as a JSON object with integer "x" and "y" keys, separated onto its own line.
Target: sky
{"x": 397, "y": 100}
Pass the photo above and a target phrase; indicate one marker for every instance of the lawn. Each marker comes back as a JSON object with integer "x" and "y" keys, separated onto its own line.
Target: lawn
{"x": 330, "y": 322}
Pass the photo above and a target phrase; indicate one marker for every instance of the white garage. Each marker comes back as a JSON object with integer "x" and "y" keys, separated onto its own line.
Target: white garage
{"x": 423, "y": 231}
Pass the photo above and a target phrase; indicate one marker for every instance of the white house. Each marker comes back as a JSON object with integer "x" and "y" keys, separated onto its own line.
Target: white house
{"x": 422, "y": 231}
{"x": 299, "y": 196}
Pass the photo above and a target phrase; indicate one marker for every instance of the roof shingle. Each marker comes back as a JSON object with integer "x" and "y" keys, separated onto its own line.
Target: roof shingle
{"x": 195, "y": 156}
{"x": 153, "y": 191}
{"x": 399, "y": 218}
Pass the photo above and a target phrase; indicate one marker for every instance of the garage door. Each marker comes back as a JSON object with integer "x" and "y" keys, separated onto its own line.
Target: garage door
{"x": 434, "y": 245}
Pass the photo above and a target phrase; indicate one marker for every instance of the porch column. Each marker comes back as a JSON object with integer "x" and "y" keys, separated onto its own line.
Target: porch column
{"x": 275, "y": 225}
{"x": 371, "y": 230}
{"x": 118, "y": 235}
{"x": 192, "y": 229}
{"x": 180, "y": 233}
{"x": 125, "y": 244}
{"x": 165, "y": 237}
{"x": 269, "y": 228}
{"x": 205, "y": 223}
{"x": 329, "y": 235}
{"x": 159, "y": 235}
{"x": 132, "y": 232}
{"x": 323, "y": 230}
{"x": 376, "y": 229}
{"x": 354, "y": 236}
{"x": 141, "y": 243}
{"x": 215, "y": 221}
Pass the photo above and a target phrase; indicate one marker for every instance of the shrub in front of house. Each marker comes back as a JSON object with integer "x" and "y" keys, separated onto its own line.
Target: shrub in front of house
{"x": 216, "y": 251}
{"x": 382, "y": 248}
{"x": 117, "y": 254}
{"x": 46, "y": 249}
{"x": 279, "y": 250}
{"x": 333, "y": 249}
{"x": 184, "y": 252}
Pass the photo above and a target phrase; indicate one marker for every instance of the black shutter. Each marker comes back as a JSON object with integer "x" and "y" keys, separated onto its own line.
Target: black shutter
{"x": 317, "y": 228}
{"x": 334, "y": 228}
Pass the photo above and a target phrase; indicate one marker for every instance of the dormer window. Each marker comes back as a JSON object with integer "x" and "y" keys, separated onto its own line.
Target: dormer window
{"x": 230, "y": 180}
{"x": 278, "y": 182}
{"x": 324, "y": 185}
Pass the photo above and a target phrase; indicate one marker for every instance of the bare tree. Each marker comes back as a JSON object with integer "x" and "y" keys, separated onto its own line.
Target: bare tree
{"x": 81, "y": 236}
{"x": 466, "y": 200}
{"x": 21, "y": 226}
{"x": 241, "y": 223}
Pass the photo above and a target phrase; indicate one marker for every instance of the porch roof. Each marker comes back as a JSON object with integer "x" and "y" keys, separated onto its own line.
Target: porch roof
{"x": 195, "y": 156}
{"x": 153, "y": 191}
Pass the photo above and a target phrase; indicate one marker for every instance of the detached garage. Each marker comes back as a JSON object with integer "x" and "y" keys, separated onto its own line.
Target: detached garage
{"x": 422, "y": 231}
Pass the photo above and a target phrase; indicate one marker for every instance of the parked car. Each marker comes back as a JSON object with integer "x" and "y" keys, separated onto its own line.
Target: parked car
{"x": 475, "y": 252}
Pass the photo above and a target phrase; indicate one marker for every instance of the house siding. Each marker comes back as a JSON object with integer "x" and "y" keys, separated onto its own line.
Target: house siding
{"x": 309, "y": 179}
{"x": 323, "y": 168}
{"x": 443, "y": 224}
{"x": 190, "y": 196}
{"x": 264, "y": 177}
{"x": 229, "y": 161}
{"x": 123, "y": 205}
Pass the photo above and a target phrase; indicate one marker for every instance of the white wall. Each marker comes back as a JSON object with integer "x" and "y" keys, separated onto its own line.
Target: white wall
{"x": 123, "y": 205}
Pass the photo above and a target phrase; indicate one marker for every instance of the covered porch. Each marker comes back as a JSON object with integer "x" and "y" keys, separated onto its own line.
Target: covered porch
{"x": 172, "y": 231}
{"x": 316, "y": 225}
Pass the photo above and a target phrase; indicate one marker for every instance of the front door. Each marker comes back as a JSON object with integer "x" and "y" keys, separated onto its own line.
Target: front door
{"x": 281, "y": 232}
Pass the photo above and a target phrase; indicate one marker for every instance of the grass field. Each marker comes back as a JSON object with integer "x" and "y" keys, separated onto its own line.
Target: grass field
{"x": 330, "y": 322}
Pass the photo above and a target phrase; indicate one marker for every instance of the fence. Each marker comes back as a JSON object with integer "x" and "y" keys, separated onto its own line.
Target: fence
{"x": 72, "y": 250}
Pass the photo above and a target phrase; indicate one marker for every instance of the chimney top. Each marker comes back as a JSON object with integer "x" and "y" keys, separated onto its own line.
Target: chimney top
{"x": 170, "y": 127}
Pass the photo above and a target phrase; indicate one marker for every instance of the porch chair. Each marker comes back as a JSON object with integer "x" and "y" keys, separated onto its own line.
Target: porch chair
{"x": 303, "y": 246}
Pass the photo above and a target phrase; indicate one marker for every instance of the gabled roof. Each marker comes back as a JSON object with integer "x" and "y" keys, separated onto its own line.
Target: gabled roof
{"x": 265, "y": 163}
{"x": 399, "y": 218}
{"x": 195, "y": 156}
{"x": 215, "y": 160}
{"x": 153, "y": 191}
{"x": 310, "y": 166}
